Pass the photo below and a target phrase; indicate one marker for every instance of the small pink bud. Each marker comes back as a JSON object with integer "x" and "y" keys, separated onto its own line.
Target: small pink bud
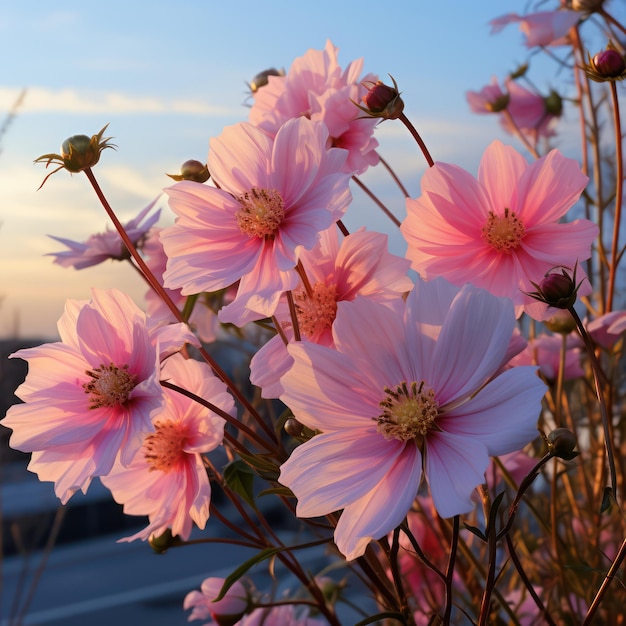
{"x": 558, "y": 290}
{"x": 609, "y": 63}
{"x": 382, "y": 100}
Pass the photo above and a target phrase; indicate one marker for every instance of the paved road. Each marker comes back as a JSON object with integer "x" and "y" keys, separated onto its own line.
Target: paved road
{"x": 101, "y": 582}
{"x": 104, "y": 583}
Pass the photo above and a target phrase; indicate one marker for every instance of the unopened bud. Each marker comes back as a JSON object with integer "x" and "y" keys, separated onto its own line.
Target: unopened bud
{"x": 192, "y": 170}
{"x": 382, "y": 100}
{"x": 293, "y": 427}
{"x": 163, "y": 542}
{"x": 553, "y": 104}
{"x": 561, "y": 322}
{"x": 561, "y": 442}
{"x": 609, "y": 63}
{"x": 558, "y": 290}
{"x": 262, "y": 78}
{"x": 78, "y": 153}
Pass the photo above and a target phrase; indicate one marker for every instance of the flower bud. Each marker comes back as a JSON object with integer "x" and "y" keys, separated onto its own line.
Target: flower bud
{"x": 561, "y": 442}
{"x": 192, "y": 170}
{"x": 78, "y": 153}
{"x": 382, "y": 100}
{"x": 557, "y": 290}
{"x": 586, "y": 6}
{"x": 262, "y": 78}
{"x": 608, "y": 65}
{"x": 499, "y": 104}
{"x": 561, "y": 322}
{"x": 553, "y": 104}
{"x": 163, "y": 542}
{"x": 293, "y": 427}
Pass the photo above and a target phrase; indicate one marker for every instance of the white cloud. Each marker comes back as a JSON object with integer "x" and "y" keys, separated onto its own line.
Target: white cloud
{"x": 43, "y": 100}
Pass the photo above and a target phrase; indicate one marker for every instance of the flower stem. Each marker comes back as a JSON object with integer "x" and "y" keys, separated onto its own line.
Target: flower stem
{"x": 619, "y": 187}
{"x": 597, "y": 374}
{"x": 394, "y": 176}
{"x": 162, "y": 293}
{"x": 378, "y": 202}
{"x": 420, "y": 142}
{"x": 610, "y": 575}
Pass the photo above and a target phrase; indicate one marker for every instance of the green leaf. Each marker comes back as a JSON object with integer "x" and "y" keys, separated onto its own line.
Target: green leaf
{"x": 475, "y": 531}
{"x": 608, "y": 500}
{"x": 231, "y": 579}
{"x": 264, "y": 464}
{"x": 240, "y": 478}
{"x": 280, "y": 491}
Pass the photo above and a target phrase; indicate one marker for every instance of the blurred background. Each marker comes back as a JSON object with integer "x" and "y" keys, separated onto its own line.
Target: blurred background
{"x": 166, "y": 77}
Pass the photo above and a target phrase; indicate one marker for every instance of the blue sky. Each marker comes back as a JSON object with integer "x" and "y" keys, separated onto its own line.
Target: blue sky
{"x": 167, "y": 76}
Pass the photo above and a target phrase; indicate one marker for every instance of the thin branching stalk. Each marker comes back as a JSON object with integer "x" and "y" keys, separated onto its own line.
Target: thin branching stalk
{"x": 420, "y": 142}
{"x": 377, "y": 201}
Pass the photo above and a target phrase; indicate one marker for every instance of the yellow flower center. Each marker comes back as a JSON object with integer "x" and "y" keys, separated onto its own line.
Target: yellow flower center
{"x": 317, "y": 312}
{"x": 408, "y": 412}
{"x": 163, "y": 449}
{"x": 262, "y": 212}
{"x": 109, "y": 386}
{"x": 503, "y": 232}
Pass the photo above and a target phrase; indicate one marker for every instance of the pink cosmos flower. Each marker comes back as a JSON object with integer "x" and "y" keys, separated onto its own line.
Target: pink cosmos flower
{"x": 529, "y": 113}
{"x": 316, "y": 87}
{"x": 490, "y": 99}
{"x": 545, "y": 351}
{"x": 402, "y": 397}
{"x": 227, "y": 610}
{"x": 167, "y": 480}
{"x": 501, "y": 231}
{"x": 544, "y": 28}
{"x": 107, "y": 245}
{"x": 359, "y": 265}
{"x": 275, "y": 197}
{"x": 92, "y": 395}
{"x": 526, "y": 112}
{"x": 284, "y": 615}
{"x": 203, "y": 320}
{"x": 606, "y": 330}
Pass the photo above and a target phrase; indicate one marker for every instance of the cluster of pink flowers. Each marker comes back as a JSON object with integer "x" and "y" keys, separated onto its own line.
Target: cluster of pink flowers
{"x": 403, "y": 387}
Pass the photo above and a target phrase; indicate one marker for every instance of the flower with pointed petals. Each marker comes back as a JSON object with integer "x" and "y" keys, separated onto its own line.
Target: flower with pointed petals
{"x": 501, "y": 231}
{"x": 606, "y": 330}
{"x": 92, "y": 395}
{"x": 545, "y": 351}
{"x": 281, "y": 615}
{"x": 107, "y": 245}
{"x": 203, "y": 320}
{"x": 490, "y": 99}
{"x": 358, "y": 265}
{"x": 404, "y": 396}
{"x": 228, "y": 610}
{"x": 317, "y": 88}
{"x": 275, "y": 196}
{"x": 167, "y": 480}
{"x": 544, "y": 28}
